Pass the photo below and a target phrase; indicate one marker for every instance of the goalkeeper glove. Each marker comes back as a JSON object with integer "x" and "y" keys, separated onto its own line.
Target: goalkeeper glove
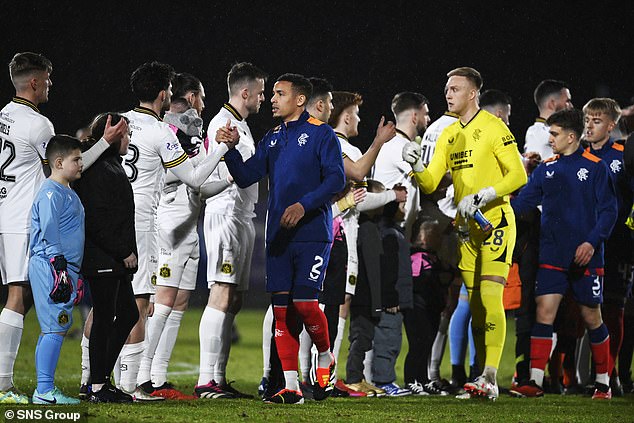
{"x": 411, "y": 153}
{"x": 62, "y": 286}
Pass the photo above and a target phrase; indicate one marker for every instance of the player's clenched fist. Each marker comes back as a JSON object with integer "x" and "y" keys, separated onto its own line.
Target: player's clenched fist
{"x": 411, "y": 153}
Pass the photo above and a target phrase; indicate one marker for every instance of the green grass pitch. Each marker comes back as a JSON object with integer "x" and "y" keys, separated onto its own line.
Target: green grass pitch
{"x": 245, "y": 367}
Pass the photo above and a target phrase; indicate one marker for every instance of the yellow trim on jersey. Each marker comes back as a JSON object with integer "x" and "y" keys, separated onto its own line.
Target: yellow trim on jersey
{"x": 236, "y": 114}
{"x": 452, "y": 114}
{"x": 175, "y": 162}
{"x": 540, "y": 120}
{"x": 44, "y": 162}
{"x": 481, "y": 154}
{"x": 314, "y": 121}
{"x": 145, "y": 110}
{"x": 340, "y": 135}
{"x": 25, "y": 102}
{"x": 344, "y": 155}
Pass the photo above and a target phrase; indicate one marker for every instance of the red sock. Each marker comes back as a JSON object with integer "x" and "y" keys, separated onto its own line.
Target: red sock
{"x": 540, "y": 350}
{"x": 601, "y": 356}
{"x": 286, "y": 336}
{"x": 315, "y": 321}
{"x": 613, "y": 319}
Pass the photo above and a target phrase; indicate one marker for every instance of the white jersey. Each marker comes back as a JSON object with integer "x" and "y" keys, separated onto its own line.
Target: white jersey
{"x": 24, "y": 134}
{"x": 433, "y": 131}
{"x": 232, "y": 201}
{"x": 347, "y": 149}
{"x": 537, "y": 139}
{"x": 428, "y": 146}
{"x": 390, "y": 169}
{"x": 153, "y": 148}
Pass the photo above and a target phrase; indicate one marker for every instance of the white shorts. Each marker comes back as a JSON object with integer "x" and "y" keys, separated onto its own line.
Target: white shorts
{"x": 229, "y": 241}
{"x": 144, "y": 280}
{"x": 178, "y": 259}
{"x": 14, "y": 258}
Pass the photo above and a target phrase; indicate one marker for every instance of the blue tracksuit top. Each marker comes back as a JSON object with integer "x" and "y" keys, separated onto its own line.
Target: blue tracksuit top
{"x": 612, "y": 154}
{"x": 304, "y": 163}
{"x": 57, "y": 224}
{"x": 578, "y": 205}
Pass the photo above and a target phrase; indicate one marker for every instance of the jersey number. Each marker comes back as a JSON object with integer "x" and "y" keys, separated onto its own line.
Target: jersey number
{"x": 315, "y": 272}
{"x": 498, "y": 238}
{"x": 130, "y": 162}
{"x": 7, "y": 145}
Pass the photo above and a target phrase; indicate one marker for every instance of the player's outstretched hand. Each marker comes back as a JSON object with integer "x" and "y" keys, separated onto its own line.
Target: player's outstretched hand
{"x": 359, "y": 194}
{"x": 292, "y": 215}
{"x": 114, "y": 133}
{"x": 130, "y": 262}
{"x": 385, "y": 131}
{"x": 228, "y": 134}
{"x": 583, "y": 254}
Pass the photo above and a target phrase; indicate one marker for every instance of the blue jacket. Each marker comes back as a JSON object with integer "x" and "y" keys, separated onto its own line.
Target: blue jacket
{"x": 578, "y": 205}
{"x": 304, "y": 164}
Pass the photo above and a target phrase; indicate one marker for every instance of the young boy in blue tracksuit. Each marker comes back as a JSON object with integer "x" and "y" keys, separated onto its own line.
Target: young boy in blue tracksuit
{"x": 578, "y": 212}
{"x": 57, "y": 247}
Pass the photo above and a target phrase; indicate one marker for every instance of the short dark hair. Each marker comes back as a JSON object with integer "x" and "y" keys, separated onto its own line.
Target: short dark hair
{"x": 321, "y": 88}
{"x": 546, "y": 88}
{"x": 28, "y": 62}
{"x": 184, "y": 83}
{"x": 61, "y": 146}
{"x": 407, "y": 100}
{"x": 299, "y": 83}
{"x": 568, "y": 119}
{"x": 149, "y": 79}
{"x": 469, "y": 73}
{"x": 342, "y": 100}
{"x": 244, "y": 72}
{"x": 494, "y": 97}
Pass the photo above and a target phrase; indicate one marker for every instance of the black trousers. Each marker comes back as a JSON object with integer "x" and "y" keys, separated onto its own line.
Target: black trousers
{"x": 114, "y": 314}
{"x": 421, "y": 325}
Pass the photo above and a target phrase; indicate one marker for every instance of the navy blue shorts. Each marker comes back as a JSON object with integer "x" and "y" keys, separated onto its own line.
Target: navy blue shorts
{"x": 586, "y": 288}
{"x": 296, "y": 263}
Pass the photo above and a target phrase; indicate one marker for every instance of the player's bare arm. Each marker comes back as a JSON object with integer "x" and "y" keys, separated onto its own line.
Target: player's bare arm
{"x": 359, "y": 169}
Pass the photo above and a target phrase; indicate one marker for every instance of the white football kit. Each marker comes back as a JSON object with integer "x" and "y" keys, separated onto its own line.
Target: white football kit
{"x": 390, "y": 169}
{"x": 24, "y": 134}
{"x": 228, "y": 226}
{"x": 153, "y": 148}
{"x": 537, "y": 139}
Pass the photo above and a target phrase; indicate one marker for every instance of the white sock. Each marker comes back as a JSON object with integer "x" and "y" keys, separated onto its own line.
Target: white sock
{"x": 220, "y": 370}
{"x": 341, "y": 327}
{"x": 305, "y": 345}
{"x": 490, "y": 373}
{"x": 116, "y": 372}
{"x": 85, "y": 360}
{"x": 210, "y": 334}
{"x": 165, "y": 347}
{"x": 367, "y": 365}
{"x": 153, "y": 331}
{"x": 290, "y": 377}
{"x": 437, "y": 351}
{"x": 130, "y": 362}
{"x": 538, "y": 376}
{"x": 267, "y": 326}
{"x": 96, "y": 387}
{"x": 11, "y": 326}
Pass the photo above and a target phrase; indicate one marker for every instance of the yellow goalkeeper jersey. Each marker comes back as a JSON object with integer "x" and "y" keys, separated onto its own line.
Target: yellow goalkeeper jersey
{"x": 479, "y": 154}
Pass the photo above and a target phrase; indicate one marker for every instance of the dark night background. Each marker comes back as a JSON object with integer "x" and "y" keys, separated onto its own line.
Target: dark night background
{"x": 375, "y": 49}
